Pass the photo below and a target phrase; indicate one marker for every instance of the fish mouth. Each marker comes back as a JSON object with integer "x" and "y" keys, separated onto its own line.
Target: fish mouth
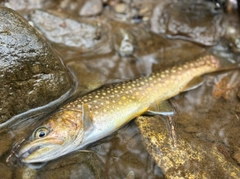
{"x": 38, "y": 151}
{"x": 24, "y": 155}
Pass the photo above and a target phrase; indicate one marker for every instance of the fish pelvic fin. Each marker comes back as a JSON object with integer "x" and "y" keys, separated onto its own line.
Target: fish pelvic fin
{"x": 160, "y": 108}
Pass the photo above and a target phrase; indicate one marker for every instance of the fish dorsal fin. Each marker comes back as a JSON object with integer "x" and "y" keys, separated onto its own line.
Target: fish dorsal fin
{"x": 194, "y": 83}
{"x": 160, "y": 108}
{"x": 86, "y": 116}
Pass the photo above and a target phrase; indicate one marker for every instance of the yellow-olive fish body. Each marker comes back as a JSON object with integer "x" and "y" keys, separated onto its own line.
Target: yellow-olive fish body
{"x": 100, "y": 113}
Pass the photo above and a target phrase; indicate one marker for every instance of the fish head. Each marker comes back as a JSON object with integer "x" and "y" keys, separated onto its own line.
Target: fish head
{"x": 59, "y": 135}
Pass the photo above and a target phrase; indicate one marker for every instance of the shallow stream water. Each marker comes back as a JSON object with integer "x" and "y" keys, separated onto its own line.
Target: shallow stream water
{"x": 207, "y": 116}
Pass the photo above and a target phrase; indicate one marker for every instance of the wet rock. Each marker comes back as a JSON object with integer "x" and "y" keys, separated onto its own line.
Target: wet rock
{"x": 238, "y": 94}
{"x": 29, "y": 4}
{"x": 236, "y": 156}
{"x": 91, "y": 8}
{"x": 226, "y": 85}
{"x": 89, "y": 78}
{"x": 86, "y": 8}
{"x": 5, "y": 172}
{"x": 210, "y": 137}
{"x": 24, "y": 173}
{"x": 76, "y": 165}
{"x": 124, "y": 42}
{"x": 131, "y": 11}
{"x": 180, "y": 159}
{"x": 121, "y": 8}
{"x": 71, "y": 6}
{"x": 232, "y": 36}
{"x": 231, "y": 6}
{"x": 124, "y": 155}
{"x": 191, "y": 129}
{"x": 58, "y": 28}
{"x": 28, "y": 173}
{"x": 130, "y": 175}
{"x": 31, "y": 74}
{"x": 196, "y": 21}
{"x": 5, "y": 144}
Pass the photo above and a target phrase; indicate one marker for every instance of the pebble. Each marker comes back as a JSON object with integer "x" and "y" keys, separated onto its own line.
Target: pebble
{"x": 91, "y": 8}
{"x": 121, "y": 8}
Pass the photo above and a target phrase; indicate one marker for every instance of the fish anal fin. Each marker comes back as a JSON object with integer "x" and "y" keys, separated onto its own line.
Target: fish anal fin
{"x": 194, "y": 83}
{"x": 160, "y": 108}
{"x": 86, "y": 116}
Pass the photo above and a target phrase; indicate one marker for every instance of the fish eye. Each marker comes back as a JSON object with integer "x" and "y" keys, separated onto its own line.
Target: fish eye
{"x": 40, "y": 132}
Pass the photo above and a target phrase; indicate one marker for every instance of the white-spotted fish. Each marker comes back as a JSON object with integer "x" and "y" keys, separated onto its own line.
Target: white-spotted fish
{"x": 100, "y": 113}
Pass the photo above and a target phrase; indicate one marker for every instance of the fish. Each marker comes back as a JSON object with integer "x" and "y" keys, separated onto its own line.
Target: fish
{"x": 98, "y": 114}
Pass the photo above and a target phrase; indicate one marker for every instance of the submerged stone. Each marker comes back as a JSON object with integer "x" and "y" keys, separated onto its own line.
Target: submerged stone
{"x": 199, "y": 22}
{"x": 31, "y": 74}
{"x": 60, "y": 29}
{"x": 91, "y": 8}
{"x": 29, "y": 4}
{"x": 76, "y": 165}
{"x": 131, "y": 11}
{"x": 5, "y": 172}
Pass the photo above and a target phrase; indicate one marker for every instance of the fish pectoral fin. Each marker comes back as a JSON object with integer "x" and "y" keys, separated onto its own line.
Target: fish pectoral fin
{"x": 160, "y": 108}
{"x": 194, "y": 83}
{"x": 86, "y": 116}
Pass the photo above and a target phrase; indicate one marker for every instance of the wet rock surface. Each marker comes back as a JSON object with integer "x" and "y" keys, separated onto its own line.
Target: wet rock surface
{"x": 84, "y": 164}
{"x": 5, "y": 172}
{"x": 28, "y": 4}
{"x": 5, "y": 144}
{"x": 183, "y": 159}
{"x": 189, "y": 21}
{"x": 85, "y": 8}
{"x": 31, "y": 74}
{"x": 236, "y": 156}
{"x": 59, "y": 28}
{"x": 91, "y": 8}
{"x": 121, "y": 43}
{"x": 131, "y": 11}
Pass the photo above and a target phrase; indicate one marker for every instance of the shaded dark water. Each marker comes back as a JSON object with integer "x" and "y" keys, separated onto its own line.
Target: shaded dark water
{"x": 208, "y": 115}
